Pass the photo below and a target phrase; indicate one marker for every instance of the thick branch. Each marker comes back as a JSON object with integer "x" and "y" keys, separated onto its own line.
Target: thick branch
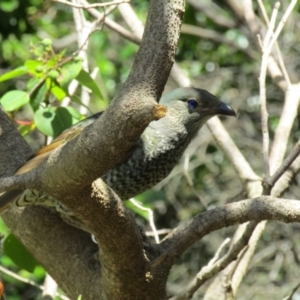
{"x": 12, "y": 145}
{"x": 67, "y": 254}
{"x": 123, "y": 261}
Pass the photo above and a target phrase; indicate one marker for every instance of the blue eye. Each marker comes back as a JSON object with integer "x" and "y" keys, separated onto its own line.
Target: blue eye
{"x": 192, "y": 103}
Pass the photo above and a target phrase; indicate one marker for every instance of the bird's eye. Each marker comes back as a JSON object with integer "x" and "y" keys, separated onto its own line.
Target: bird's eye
{"x": 192, "y": 103}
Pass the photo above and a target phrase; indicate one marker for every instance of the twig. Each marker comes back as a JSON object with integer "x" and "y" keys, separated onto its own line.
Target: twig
{"x": 280, "y": 59}
{"x": 266, "y": 253}
{"x": 242, "y": 267}
{"x": 284, "y": 181}
{"x": 179, "y": 76}
{"x": 150, "y": 216}
{"x": 214, "y": 12}
{"x": 215, "y": 267}
{"x": 131, "y": 19}
{"x": 281, "y": 23}
{"x": 89, "y": 6}
{"x": 285, "y": 165}
{"x": 159, "y": 232}
{"x": 50, "y": 288}
{"x": 215, "y": 36}
{"x": 228, "y": 281}
{"x": 267, "y": 46}
{"x": 266, "y": 50}
{"x": 283, "y": 130}
{"x": 113, "y": 25}
{"x": 190, "y": 181}
{"x": 289, "y": 297}
{"x": 218, "y": 252}
{"x": 239, "y": 162}
{"x": 263, "y": 11}
{"x": 28, "y": 281}
{"x": 276, "y": 266}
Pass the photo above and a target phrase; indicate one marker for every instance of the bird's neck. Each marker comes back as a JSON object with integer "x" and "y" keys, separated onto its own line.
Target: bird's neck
{"x": 168, "y": 133}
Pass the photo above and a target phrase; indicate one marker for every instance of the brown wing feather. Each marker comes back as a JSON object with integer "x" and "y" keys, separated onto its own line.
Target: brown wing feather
{"x": 33, "y": 163}
{"x": 63, "y": 138}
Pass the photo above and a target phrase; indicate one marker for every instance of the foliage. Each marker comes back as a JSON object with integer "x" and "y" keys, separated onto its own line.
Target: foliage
{"x": 50, "y": 74}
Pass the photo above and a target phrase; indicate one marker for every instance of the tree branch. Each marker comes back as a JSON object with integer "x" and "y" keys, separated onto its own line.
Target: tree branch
{"x": 256, "y": 209}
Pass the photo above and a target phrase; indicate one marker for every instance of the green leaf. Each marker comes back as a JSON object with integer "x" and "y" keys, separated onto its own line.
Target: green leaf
{"x": 52, "y": 122}
{"x": 19, "y": 254}
{"x": 85, "y": 79}
{"x": 31, "y": 83}
{"x": 25, "y": 129}
{"x": 34, "y": 67}
{"x": 65, "y": 118}
{"x": 14, "y": 73}
{"x": 52, "y": 62}
{"x": 77, "y": 100}
{"x": 3, "y": 228}
{"x": 43, "y": 119}
{"x": 144, "y": 214}
{"x": 55, "y": 89}
{"x": 39, "y": 272}
{"x": 9, "y": 6}
{"x": 38, "y": 96}
{"x": 69, "y": 71}
{"x": 13, "y": 100}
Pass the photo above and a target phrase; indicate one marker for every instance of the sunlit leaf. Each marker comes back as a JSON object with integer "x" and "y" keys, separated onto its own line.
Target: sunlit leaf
{"x": 31, "y": 83}
{"x": 3, "y": 228}
{"x": 53, "y": 121}
{"x": 55, "y": 89}
{"x": 69, "y": 71}
{"x": 137, "y": 210}
{"x": 35, "y": 67}
{"x": 25, "y": 129}
{"x": 13, "y": 100}
{"x": 52, "y": 62}
{"x": 9, "y": 6}
{"x": 14, "y": 73}
{"x": 85, "y": 79}
{"x": 38, "y": 96}
{"x": 43, "y": 119}
{"x": 65, "y": 118}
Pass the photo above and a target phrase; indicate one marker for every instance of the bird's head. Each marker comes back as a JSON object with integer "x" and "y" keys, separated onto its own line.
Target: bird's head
{"x": 193, "y": 107}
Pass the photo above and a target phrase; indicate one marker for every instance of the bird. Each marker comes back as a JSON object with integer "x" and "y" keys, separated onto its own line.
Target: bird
{"x": 156, "y": 153}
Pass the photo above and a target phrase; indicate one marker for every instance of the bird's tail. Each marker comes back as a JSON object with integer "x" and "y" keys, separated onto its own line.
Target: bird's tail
{"x": 7, "y": 197}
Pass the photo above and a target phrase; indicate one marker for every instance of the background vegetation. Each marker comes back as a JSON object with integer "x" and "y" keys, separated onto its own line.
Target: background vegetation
{"x": 218, "y": 50}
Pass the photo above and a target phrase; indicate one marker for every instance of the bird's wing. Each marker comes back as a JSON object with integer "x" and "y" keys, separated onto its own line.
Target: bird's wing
{"x": 44, "y": 153}
{"x": 7, "y": 197}
{"x": 63, "y": 138}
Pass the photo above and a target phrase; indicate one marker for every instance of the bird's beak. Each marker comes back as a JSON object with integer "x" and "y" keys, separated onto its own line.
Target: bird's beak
{"x": 224, "y": 109}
